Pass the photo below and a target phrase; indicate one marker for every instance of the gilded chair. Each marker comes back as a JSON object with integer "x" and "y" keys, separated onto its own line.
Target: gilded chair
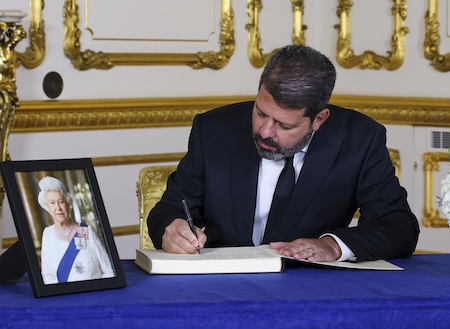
{"x": 149, "y": 188}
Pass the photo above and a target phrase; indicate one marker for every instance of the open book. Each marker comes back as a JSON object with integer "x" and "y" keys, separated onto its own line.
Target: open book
{"x": 233, "y": 260}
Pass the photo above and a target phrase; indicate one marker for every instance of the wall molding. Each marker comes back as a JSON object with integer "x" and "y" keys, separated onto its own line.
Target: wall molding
{"x": 369, "y": 59}
{"x": 89, "y": 59}
{"x": 99, "y": 114}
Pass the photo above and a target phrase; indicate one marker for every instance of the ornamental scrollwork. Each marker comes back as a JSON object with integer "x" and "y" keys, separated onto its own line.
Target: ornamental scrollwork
{"x": 34, "y": 53}
{"x": 369, "y": 59}
{"x": 432, "y": 39}
{"x": 89, "y": 59}
{"x": 255, "y": 54}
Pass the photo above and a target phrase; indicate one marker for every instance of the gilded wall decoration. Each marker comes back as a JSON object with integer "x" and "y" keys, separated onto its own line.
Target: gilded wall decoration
{"x": 89, "y": 59}
{"x": 34, "y": 54}
{"x": 430, "y": 213}
{"x": 255, "y": 54}
{"x": 41, "y": 116}
{"x": 369, "y": 59}
{"x": 433, "y": 39}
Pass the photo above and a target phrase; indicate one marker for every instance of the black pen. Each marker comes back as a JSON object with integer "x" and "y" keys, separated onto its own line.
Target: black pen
{"x": 190, "y": 220}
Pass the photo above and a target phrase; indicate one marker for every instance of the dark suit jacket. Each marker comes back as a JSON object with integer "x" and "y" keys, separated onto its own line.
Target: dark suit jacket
{"x": 347, "y": 167}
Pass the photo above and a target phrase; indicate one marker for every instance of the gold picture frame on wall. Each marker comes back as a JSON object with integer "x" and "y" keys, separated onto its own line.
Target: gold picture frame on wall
{"x": 430, "y": 165}
{"x": 34, "y": 54}
{"x": 255, "y": 54}
{"x": 89, "y": 59}
{"x": 433, "y": 39}
{"x": 369, "y": 59}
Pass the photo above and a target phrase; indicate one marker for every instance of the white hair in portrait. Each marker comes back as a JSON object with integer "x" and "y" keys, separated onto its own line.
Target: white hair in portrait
{"x": 50, "y": 183}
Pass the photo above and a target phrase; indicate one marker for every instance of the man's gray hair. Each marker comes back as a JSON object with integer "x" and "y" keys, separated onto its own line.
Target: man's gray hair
{"x": 299, "y": 77}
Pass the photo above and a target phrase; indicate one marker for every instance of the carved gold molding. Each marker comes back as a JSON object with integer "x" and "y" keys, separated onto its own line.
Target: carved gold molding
{"x": 369, "y": 60}
{"x": 34, "y": 54}
{"x": 37, "y": 116}
{"x": 88, "y": 59}
{"x": 433, "y": 39}
{"x": 46, "y": 116}
{"x": 254, "y": 52}
{"x": 121, "y": 160}
{"x": 431, "y": 164}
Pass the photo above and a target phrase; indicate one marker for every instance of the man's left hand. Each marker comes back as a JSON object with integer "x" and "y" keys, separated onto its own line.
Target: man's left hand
{"x": 325, "y": 249}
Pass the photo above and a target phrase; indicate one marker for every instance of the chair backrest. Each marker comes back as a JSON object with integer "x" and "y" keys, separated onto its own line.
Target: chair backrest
{"x": 150, "y": 187}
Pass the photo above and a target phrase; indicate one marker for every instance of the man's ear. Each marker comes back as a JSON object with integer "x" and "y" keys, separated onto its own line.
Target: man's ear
{"x": 320, "y": 118}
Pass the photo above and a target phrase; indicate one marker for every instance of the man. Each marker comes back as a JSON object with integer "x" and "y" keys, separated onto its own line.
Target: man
{"x": 341, "y": 163}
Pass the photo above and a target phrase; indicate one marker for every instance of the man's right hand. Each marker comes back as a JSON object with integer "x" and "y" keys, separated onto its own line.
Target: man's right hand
{"x": 179, "y": 239}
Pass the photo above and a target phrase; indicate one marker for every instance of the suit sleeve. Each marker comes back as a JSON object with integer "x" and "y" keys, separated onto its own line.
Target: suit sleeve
{"x": 185, "y": 183}
{"x": 387, "y": 227}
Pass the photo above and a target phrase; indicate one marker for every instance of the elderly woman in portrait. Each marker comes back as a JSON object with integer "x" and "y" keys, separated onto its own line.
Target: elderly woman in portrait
{"x": 70, "y": 251}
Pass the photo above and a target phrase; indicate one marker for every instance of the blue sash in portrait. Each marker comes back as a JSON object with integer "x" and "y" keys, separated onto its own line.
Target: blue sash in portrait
{"x": 66, "y": 263}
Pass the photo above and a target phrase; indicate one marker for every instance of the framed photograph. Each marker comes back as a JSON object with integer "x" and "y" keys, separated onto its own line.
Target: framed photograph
{"x": 62, "y": 226}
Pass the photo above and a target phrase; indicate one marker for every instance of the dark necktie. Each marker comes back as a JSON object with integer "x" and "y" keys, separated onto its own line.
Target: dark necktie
{"x": 280, "y": 201}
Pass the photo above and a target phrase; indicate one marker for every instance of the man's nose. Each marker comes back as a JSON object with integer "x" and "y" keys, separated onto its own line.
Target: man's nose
{"x": 267, "y": 129}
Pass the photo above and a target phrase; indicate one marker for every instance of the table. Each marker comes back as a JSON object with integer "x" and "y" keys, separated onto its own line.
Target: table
{"x": 300, "y": 297}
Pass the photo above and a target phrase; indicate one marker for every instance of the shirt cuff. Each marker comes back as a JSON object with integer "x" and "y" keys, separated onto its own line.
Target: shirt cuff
{"x": 347, "y": 254}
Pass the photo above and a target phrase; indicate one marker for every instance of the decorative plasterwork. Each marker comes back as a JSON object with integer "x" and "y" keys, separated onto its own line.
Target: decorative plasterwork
{"x": 433, "y": 39}
{"x": 34, "y": 54}
{"x": 431, "y": 164}
{"x": 255, "y": 53}
{"x": 369, "y": 59}
{"x": 89, "y": 59}
{"x": 45, "y": 116}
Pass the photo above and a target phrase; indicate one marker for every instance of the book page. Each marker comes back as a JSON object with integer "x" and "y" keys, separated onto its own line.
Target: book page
{"x": 214, "y": 254}
{"x": 369, "y": 265}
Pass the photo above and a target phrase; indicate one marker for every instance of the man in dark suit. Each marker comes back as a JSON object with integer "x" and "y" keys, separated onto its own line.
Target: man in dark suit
{"x": 340, "y": 161}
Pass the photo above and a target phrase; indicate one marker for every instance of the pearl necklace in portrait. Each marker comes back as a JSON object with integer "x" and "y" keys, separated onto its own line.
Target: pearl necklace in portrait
{"x": 66, "y": 233}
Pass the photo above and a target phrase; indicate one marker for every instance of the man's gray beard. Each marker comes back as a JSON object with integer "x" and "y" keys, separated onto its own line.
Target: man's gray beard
{"x": 282, "y": 152}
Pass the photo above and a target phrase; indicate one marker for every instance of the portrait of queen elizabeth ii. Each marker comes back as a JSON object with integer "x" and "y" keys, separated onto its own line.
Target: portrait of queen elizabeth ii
{"x": 71, "y": 250}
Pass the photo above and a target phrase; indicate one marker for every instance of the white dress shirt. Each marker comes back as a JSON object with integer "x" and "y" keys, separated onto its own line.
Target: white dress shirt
{"x": 269, "y": 170}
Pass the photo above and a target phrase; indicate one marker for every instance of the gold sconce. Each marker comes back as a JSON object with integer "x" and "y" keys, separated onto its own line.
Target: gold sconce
{"x": 369, "y": 60}
{"x": 431, "y": 164}
{"x": 255, "y": 53}
{"x": 433, "y": 39}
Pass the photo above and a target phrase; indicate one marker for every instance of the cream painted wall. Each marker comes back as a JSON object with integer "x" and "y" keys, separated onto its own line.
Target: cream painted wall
{"x": 371, "y": 29}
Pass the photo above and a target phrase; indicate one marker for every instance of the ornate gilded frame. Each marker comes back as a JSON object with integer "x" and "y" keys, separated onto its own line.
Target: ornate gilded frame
{"x": 369, "y": 59}
{"x": 433, "y": 39}
{"x": 254, "y": 52}
{"x": 431, "y": 164}
{"x": 34, "y": 54}
{"x": 89, "y": 59}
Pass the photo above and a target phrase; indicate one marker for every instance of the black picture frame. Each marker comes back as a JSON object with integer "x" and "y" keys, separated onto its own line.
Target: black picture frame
{"x": 20, "y": 180}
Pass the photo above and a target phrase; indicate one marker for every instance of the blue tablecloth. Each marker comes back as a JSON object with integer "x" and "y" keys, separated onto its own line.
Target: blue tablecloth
{"x": 300, "y": 297}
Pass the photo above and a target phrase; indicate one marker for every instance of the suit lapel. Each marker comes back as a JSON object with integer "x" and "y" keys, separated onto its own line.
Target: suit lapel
{"x": 318, "y": 161}
{"x": 244, "y": 175}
